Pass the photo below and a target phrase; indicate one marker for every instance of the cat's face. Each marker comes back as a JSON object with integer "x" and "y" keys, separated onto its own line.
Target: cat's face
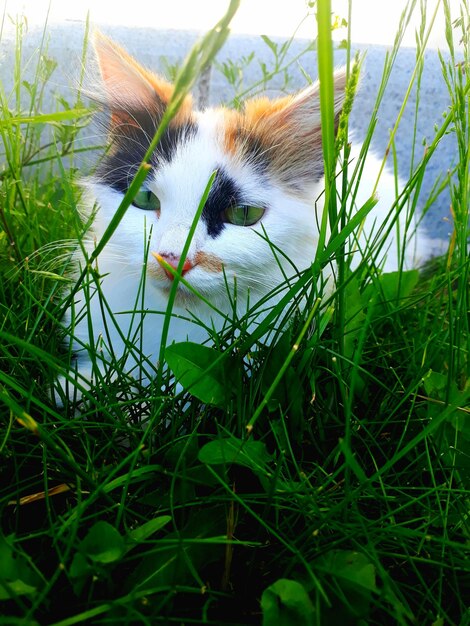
{"x": 259, "y": 221}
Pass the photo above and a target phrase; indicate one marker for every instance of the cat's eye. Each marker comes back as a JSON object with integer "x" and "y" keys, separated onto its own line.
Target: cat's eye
{"x": 243, "y": 215}
{"x": 147, "y": 200}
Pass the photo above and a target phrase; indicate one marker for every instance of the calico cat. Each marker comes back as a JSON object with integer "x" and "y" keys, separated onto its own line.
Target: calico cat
{"x": 259, "y": 225}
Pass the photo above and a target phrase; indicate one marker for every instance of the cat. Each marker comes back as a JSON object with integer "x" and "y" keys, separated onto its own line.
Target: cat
{"x": 260, "y": 222}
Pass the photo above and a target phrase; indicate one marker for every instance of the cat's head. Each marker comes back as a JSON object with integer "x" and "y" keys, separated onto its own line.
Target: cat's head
{"x": 260, "y": 221}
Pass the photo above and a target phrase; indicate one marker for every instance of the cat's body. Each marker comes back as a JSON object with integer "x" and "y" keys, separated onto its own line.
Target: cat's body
{"x": 269, "y": 184}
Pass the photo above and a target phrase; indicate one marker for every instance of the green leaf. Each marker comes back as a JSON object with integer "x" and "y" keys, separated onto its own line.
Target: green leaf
{"x": 184, "y": 553}
{"x": 103, "y": 544}
{"x": 399, "y": 285}
{"x": 137, "y": 475}
{"x": 182, "y": 450}
{"x": 286, "y": 603}
{"x": 444, "y": 392}
{"x": 202, "y": 371}
{"x": 80, "y": 570}
{"x": 80, "y": 567}
{"x": 355, "y": 576}
{"x": 354, "y": 304}
{"x": 394, "y": 288}
{"x": 15, "y": 588}
{"x": 230, "y": 450}
{"x": 8, "y": 563}
{"x": 350, "y": 567}
{"x": 147, "y": 529}
{"x": 270, "y": 43}
{"x": 16, "y": 575}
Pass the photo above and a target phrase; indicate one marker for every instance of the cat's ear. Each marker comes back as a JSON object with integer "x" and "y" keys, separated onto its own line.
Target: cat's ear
{"x": 128, "y": 86}
{"x": 288, "y": 131}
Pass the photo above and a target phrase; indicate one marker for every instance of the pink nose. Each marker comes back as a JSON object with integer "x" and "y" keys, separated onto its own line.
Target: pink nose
{"x": 173, "y": 261}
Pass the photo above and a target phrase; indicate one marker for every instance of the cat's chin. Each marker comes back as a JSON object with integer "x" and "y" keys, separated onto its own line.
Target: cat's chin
{"x": 183, "y": 297}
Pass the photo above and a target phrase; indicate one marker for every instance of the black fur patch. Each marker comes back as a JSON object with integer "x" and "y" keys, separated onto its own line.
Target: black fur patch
{"x": 223, "y": 194}
{"x": 172, "y": 137}
{"x": 130, "y": 141}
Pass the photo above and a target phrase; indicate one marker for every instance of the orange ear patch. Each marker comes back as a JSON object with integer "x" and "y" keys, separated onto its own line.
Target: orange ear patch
{"x": 129, "y": 86}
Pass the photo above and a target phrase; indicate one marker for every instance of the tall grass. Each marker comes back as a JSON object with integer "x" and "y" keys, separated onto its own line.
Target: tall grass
{"x": 316, "y": 479}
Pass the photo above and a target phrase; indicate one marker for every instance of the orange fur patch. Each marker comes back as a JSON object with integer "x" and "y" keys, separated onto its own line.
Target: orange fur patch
{"x": 209, "y": 262}
{"x": 231, "y": 124}
{"x": 125, "y": 78}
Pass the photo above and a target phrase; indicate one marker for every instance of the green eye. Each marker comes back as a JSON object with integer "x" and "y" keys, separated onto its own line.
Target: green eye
{"x": 243, "y": 215}
{"x": 147, "y": 200}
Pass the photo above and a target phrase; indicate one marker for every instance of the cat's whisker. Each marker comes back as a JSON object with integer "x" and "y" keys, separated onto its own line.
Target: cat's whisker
{"x": 51, "y": 249}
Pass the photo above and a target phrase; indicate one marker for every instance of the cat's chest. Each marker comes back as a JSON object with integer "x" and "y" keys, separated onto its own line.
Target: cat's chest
{"x": 127, "y": 310}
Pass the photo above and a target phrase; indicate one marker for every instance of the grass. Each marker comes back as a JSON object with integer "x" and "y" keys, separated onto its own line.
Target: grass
{"x": 320, "y": 479}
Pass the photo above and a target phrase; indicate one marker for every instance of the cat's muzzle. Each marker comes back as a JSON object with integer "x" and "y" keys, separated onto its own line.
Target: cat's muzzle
{"x": 170, "y": 262}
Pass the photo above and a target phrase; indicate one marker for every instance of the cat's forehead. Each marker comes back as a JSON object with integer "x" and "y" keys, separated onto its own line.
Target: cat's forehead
{"x": 195, "y": 153}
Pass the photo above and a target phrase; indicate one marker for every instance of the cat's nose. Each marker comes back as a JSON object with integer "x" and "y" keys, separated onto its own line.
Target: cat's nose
{"x": 173, "y": 260}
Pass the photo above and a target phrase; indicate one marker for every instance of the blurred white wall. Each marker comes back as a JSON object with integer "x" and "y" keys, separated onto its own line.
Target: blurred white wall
{"x": 373, "y": 22}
